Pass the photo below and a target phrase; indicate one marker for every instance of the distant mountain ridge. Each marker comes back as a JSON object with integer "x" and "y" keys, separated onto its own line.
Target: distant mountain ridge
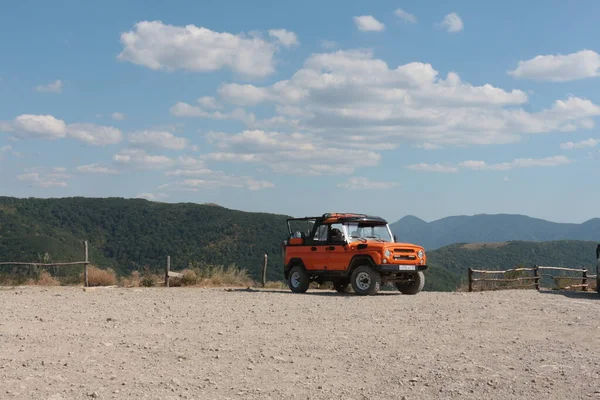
{"x": 490, "y": 228}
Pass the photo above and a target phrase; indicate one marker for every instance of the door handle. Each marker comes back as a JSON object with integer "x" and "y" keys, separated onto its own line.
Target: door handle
{"x": 331, "y": 248}
{"x": 313, "y": 248}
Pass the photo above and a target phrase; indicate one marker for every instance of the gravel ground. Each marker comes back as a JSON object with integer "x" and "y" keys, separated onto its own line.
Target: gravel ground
{"x": 191, "y": 343}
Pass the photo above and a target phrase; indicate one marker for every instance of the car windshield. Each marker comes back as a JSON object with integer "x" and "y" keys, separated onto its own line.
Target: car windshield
{"x": 368, "y": 231}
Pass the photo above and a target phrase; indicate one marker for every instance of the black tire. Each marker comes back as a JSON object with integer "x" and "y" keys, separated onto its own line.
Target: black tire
{"x": 365, "y": 281}
{"x": 341, "y": 286}
{"x": 298, "y": 280}
{"x": 414, "y": 286}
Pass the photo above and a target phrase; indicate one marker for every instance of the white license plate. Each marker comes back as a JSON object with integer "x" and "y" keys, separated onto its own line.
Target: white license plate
{"x": 406, "y": 268}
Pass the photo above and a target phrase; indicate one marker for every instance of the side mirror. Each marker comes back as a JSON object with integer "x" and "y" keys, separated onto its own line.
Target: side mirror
{"x": 395, "y": 239}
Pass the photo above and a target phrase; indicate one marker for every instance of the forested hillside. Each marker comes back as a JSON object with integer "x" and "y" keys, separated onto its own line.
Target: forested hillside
{"x": 129, "y": 234}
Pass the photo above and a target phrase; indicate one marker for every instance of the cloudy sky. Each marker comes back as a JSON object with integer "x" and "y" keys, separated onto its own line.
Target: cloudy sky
{"x": 420, "y": 107}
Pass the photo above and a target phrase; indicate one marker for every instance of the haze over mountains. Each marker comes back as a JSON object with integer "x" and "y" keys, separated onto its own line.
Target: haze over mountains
{"x": 490, "y": 228}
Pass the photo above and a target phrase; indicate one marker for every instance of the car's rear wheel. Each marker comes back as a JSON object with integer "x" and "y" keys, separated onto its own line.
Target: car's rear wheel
{"x": 341, "y": 286}
{"x": 413, "y": 285}
{"x": 365, "y": 281}
{"x": 298, "y": 280}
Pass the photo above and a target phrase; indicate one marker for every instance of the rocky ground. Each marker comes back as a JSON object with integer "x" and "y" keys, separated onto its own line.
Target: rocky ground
{"x": 190, "y": 343}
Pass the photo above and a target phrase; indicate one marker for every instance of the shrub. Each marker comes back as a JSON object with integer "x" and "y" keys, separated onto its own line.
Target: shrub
{"x": 218, "y": 275}
{"x": 100, "y": 277}
{"x": 147, "y": 281}
{"x": 189, "y": 278}
{"x": 45, "y": 279}
{"x": 131, "y": 281}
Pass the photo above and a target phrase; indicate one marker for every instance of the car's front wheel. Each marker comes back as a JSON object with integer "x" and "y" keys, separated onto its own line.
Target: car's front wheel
{"x": 298, "y": 280}
{"x": 413, "y": 285}
{"x": 365, "y": 281}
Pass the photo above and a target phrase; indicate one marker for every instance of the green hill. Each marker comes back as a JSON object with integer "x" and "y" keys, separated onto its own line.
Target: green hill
{"x": 128, "y": 234}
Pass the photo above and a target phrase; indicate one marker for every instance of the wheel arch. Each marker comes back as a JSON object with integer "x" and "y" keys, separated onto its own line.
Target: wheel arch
{"x": 293, "y": 262}
{"x": 358, "y": 260}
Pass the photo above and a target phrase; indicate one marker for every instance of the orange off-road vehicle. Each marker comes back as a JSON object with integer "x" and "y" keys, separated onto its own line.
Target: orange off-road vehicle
{"x": 350, "y": 250}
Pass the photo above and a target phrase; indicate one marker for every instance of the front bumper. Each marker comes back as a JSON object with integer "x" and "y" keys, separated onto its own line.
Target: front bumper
{"x": 401, "y": 267}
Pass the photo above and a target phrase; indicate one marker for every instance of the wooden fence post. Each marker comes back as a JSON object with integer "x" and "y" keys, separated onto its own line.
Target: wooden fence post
{"x": 536, "y": 275}
{"x": 264, "y": 272}
{"x": 167, "y": 270}
{"x": 85, "y": 266}
{"x": 470, "y": 279}
{"x": 584, "y": 280}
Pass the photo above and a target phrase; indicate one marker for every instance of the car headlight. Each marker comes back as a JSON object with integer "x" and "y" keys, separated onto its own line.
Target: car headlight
{"x": 387, "y": 253}
{"x": 420, "y": 254}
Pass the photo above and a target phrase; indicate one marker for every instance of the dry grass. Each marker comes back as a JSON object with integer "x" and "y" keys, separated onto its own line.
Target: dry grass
{"x": 132, "y": 280}
{"x": 276, "y": 285}
{"x": 45, "y": 279}
{"x": 100, "y": 277}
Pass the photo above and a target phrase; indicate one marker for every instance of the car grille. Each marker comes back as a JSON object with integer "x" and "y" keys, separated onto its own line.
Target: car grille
{"x": 404, "y": 254}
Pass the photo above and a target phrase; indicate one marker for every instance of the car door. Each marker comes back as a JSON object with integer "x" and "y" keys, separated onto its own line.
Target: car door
{"x": 316, "y": 257}
{"x": 337, "y": 254}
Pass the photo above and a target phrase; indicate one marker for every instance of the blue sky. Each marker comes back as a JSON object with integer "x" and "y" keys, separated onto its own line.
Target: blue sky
{"x": 392, "y": 107}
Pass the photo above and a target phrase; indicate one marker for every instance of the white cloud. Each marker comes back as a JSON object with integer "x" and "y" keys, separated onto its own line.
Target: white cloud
{"x": 96, "y": 169}
{"x": 209, "y": 102}
{"x": 195, "y": 185}
{"x": 452, "y": 23}
{"x": 285, "y": 38}
{"x": 161, "y": 46}
{"x": 351, "y": 98}
{"x": 49, "y": 127}
{"x": 190, "y": 162}
{"x": 117, "y": 116}
{"x": 209, "y": 179}
{"x": 158, "y": 139}
{"x": 142, "y": 160}
{"x": 559, "y": 68}
{"x": 479, "y": 165}
{"x": 189, "y": 172}
{"x": 40, "y": 177}
{"x": 329, "y": 44}
{"x": 433, "y": 168}
{"x": 584, "y": 144}
{"x": 95, "y": 135}
{"x": 54, "y": 87}
{"x": 181, "y": 109}
{"x": 361, "y": 183}
{"x": 368, "y": 23}
{"x": 406, "y": 17}
{"x": 293, "y": 153}
{"x": 517, "y": 163}
{"x": 152, "y": 196}
{"x": 428, "y": 146}
{"x": 40, "y": 126}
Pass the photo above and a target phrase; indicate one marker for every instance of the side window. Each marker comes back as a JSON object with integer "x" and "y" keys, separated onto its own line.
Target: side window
{"x": 337, "y": 234}
{"x": 321, "y": 234}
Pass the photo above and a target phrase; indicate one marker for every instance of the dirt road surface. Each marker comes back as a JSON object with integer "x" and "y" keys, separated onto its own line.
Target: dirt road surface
{"x": 192, "y": 343}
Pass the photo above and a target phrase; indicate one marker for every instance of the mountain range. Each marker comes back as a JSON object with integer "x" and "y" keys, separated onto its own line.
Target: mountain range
{"x": 482, "y": 228}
